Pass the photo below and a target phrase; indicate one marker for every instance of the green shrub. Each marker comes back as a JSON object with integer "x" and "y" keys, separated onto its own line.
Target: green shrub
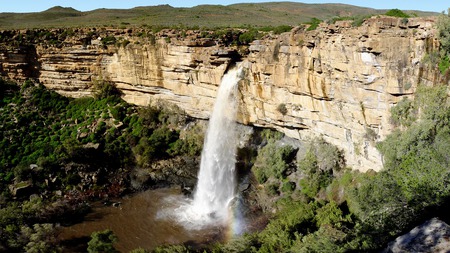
{"x": 282, "y": 29}
{"x": 190, "y": 142}
{"x": 358, "y": 21}
{"x": 248, "y": 36}
{"x": 444, "y": 64}
{"x": 171, "y": 249}
{"x": 433, "y": 103}
{"x": 288, "y": 187}
{"x": 403, "y": 113}
{"x": 272, "y": 189}
{"x": 273, "y": 161}
{"x": 313, "y": 24}
{"x": 281, "y": 108}
{"x": 292, "y": 221}
{"x": 325, "y": 240}
{"x": 396, "y": 13}
{"x": 40, "y": 238}
{"x": 104, "y": 89}
{"x": 271, "y": 135}
{"x": 335, "y": 19}
{"x": 443, "y": 26}
{"x": 242, "y": 243}
{"x": 320, "y": 164}
{"x": 102, "y": 241}
{"x": 109, "y": 40}
{"x": 277, "y": 29}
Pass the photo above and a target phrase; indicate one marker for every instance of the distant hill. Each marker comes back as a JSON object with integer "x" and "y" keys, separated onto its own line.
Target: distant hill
{"x": 235, "y": 15}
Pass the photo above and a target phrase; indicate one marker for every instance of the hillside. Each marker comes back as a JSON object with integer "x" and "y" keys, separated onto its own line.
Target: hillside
{"x": 255, "y": 14}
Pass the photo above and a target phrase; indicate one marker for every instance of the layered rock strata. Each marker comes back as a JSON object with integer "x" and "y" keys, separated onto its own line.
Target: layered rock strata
{"x": 337, "y": 82}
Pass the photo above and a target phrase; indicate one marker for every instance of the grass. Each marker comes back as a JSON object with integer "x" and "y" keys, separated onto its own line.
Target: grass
{"x": 208, "y": 16}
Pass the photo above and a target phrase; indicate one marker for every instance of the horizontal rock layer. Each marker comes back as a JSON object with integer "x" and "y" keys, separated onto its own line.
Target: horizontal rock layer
{"x": 337, "y": 82}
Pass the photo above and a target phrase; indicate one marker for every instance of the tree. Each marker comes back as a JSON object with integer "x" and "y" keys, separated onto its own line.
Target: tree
{"x": 102, "y": 241}
{"x": 41, "y": 238}
{"x": 443, "y": 26}
{"x": 104, "y": 89}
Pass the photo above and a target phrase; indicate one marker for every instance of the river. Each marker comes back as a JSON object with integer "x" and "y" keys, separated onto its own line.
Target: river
{"x": 135, "y": 222}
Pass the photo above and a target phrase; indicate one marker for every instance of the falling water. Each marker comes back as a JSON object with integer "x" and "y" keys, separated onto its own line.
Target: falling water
{"x": 216, "y": 181}
{"x": 216, "y": 186}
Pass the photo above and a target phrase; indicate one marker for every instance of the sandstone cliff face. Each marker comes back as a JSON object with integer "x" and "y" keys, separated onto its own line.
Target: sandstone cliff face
{"x": 337, "y": 82}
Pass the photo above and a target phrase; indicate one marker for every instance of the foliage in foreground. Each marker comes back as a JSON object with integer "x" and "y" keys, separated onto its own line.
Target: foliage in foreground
{"x": 102, "y": 241}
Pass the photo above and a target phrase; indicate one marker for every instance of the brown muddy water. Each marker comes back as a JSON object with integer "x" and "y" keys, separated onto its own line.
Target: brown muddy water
{"x": 136, "y": 224}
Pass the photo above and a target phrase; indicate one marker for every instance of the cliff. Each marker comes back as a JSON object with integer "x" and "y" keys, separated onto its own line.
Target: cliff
{"x": 336, "y": 82}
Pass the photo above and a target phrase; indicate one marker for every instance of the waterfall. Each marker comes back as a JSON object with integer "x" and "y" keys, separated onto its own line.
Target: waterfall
{"x": 216, "y": 180}
{"x": 216, "y": 187}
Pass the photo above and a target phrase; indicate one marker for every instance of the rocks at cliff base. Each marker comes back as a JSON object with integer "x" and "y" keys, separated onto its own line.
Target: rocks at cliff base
{"x": 432, "y": 236}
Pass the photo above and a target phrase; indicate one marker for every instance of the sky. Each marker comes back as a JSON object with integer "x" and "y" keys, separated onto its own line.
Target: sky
{"x": 87, "y": 5}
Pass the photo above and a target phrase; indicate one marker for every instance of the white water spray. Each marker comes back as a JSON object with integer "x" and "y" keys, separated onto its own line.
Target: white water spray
{"x": 216, "y": 181}
{"x": 216, "y": 186}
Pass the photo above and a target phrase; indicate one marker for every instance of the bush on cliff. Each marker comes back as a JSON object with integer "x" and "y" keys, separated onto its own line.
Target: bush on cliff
{"x": 397, "y": 13}
{"x": 313, "y": 24}
{"x": 443, "y": 26}
{"x": 273, "y": 159}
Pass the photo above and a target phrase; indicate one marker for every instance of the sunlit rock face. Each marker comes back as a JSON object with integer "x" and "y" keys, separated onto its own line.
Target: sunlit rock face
{"x": 431, "y": 236}
{"x": 337, "y": 82}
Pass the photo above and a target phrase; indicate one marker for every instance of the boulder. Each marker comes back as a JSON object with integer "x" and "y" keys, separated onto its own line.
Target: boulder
{"x": 431, "y": 237}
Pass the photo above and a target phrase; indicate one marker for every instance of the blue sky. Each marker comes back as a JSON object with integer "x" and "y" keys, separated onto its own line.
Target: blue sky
{"x": 86, "y": 5}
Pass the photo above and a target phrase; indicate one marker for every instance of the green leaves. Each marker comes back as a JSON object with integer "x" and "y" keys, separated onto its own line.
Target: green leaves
{"x": 273, "y": 161}
{"x": 105, "y": 89}
{"x": 416, "y": 178}
{"x": 403, "y": 113}
{"x": 396, "y": 13}
{"x": 313, "y": 24}
{"x": 102, "y": 242}
{"x": 414, "y": 186}
{"x": 443, "y": 26}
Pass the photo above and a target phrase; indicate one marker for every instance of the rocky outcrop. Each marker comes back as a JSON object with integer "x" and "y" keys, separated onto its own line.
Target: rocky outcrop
{"x": 432, "y": 236}
{"x": 18, "y": 63}
{"x": 336, "y": 82}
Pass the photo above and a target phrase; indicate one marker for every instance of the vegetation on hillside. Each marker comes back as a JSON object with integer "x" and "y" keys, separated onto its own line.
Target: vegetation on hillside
{"x": 208, "y": 16}
{"x": 57, "y": 153}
